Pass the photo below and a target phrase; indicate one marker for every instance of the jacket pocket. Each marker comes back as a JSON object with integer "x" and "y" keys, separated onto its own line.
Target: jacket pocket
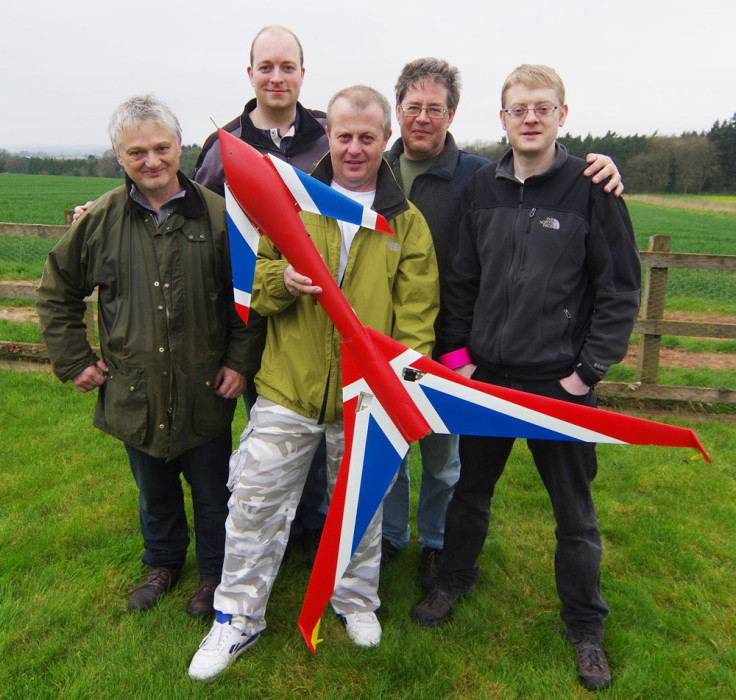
{"x": 126, "y": 404}
{"x": 211, "y": 414}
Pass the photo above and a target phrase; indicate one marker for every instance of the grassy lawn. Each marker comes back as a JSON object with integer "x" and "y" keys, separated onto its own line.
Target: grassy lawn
{"x": 71, "y": 548}
{"x": 70, "y": 545}
{"x": 42, "y": 199}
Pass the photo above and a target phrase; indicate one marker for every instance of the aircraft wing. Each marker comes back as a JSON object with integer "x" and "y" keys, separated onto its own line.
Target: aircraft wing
{"x": 374, "y": 449}
{"x": 451, "y": 404}
{"x": 310, "y": 195}
{"x": 316, "y": 197}
{"x": 455, "y": 405}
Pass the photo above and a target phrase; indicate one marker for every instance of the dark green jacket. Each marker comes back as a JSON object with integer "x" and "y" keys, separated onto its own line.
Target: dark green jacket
{"x": 166, "y": 317}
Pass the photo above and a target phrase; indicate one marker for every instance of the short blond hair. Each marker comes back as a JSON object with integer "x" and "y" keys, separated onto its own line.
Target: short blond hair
{"x": 534, "y": 76}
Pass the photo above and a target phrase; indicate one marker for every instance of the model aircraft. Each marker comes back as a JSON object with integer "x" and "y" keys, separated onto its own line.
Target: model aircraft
{"x": 392, "y": 395}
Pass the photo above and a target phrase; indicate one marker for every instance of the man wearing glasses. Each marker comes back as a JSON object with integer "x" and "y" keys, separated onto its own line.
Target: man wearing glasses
{"x": 433, "y": 173}
{"x": 541, "y": 296}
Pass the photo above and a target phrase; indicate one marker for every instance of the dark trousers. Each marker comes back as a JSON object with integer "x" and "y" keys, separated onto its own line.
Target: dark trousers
{"x": 161, "y": 504}
{"x": 567, "y": 470}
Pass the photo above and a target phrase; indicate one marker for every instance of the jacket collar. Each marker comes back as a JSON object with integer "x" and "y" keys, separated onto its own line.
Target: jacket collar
{"x": 190, "y": 205}
{"x": 308, "y": 128}
{"x": 444, "y": 165}
{"x": 505, "y": 167}
{"x": 390, "y": 200}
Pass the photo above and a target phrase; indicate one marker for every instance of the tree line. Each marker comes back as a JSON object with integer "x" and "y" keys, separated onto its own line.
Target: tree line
{"x": 692, "y": 163}
{"x": 105, "y": 165}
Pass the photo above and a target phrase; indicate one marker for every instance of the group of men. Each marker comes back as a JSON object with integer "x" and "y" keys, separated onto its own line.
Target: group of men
{"x": 536, "y": 268}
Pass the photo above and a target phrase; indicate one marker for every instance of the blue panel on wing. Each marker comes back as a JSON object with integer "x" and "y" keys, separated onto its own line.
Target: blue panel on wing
{"x": 463, "y": 417}
{"x": 329, "y": 202}
{"x": 380, "y": 463}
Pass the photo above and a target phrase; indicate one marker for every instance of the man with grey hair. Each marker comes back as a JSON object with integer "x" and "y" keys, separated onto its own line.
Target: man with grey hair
{"x": 433, "y": 173}
{"x": 391, "y": 282}
{"x": 172, "y": 345}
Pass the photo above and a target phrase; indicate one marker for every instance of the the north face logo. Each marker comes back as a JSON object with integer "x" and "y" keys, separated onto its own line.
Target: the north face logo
{"x": 549, "y": 222}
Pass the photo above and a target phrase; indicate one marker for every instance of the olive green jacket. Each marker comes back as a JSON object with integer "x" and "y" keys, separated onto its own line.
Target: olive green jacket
{"x": 166, "y": 317}
{"x": 390, "y": 281}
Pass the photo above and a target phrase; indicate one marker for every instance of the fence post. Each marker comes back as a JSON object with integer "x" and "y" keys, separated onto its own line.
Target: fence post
{"x": 68, "y": 214}
{"x": 655, "y": 287}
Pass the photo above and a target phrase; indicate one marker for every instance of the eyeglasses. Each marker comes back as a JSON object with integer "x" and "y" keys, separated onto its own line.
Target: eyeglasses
{"x": 542, "y": 111}
{"x": 416, "y": 110}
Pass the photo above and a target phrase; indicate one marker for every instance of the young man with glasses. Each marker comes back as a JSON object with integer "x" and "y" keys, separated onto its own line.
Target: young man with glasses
{"x": 541, "y": 296}
{"x": 433, "y": 173}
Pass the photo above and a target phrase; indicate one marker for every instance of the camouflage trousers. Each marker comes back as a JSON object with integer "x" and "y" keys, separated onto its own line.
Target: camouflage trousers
{"x": 267, "y": 475}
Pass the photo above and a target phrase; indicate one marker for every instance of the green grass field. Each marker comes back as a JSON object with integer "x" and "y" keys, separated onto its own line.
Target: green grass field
{"x": 71, "y": 547}
{"x": 42, "y": 199}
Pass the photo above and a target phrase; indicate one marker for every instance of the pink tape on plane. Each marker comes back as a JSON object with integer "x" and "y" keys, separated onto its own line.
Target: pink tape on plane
{"x": 456, "y": 358}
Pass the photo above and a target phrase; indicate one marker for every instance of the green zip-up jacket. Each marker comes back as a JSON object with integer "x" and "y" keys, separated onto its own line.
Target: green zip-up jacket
{"x": 391, "y": 282}
{"x": 166, "y": 317}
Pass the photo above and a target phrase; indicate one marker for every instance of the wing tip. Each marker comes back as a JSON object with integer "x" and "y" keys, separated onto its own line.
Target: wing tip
{"x": 382, "y": 225}
{"x": 311, "y": 637}
{"x": 243, "y": 312}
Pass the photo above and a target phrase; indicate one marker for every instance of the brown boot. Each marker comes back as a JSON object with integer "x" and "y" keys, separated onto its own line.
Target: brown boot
{"x": 200, "y": 604}
{"x": 592, "y": 665}
{"x": 161, "y": 579}
{"x": 429, "y": 566}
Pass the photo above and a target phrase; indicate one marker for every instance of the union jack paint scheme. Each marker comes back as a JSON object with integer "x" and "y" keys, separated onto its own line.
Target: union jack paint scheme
{"x": 391, "y": 395}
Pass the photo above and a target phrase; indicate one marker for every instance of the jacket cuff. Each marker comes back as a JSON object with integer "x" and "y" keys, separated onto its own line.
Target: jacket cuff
{"x": 587, "y": 374}
{"x": 456, "y": 358}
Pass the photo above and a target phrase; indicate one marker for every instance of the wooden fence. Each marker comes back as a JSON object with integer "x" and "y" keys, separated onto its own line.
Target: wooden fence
{"x": 651, "y": 325}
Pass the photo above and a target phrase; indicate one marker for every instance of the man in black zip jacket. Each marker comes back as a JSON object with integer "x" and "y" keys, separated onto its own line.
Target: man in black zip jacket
{"x": 541, "y": 296}
{"x": 434, "y": 172}
{"x": 274, "y": 122}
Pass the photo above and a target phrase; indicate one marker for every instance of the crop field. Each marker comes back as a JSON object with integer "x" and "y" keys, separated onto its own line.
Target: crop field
{"x": 691, "y": 294}
{"x": 42, "y": 199}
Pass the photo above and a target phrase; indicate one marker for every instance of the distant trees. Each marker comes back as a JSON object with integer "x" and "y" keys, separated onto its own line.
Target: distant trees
{"x": 723, "y": 138}
{"x": 105, "y": 165}
{"x": 692, "y": 163}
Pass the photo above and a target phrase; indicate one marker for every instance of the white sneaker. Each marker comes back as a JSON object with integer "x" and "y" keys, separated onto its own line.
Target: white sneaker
{"x": 363, "y": 628}
{"x": 225, "y": 643}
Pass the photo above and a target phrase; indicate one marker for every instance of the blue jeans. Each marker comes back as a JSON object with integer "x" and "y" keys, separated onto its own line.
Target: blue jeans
{"x": 567, "y": 470}
{"x": 161, "y": 504}
{"x": 440, "y": 472}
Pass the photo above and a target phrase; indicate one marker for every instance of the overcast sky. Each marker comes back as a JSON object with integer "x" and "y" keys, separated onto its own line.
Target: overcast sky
{"x": 629, "y": 66}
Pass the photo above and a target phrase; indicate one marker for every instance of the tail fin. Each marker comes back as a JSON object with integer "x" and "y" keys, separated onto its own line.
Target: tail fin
{"x": 243, "y": 239}
{"x": 374, "y": 449}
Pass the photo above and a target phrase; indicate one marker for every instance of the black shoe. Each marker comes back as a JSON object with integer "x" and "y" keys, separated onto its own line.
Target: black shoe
{"x": 435, "y": 608}
{"x": 310, "y": 540}
{"x": 161, "y": 579}
{"x": 388, "y": 551}
{"x": 592, "y": 665}
{"x": 201, "y": 603}
{"x": 429, "y": 566}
